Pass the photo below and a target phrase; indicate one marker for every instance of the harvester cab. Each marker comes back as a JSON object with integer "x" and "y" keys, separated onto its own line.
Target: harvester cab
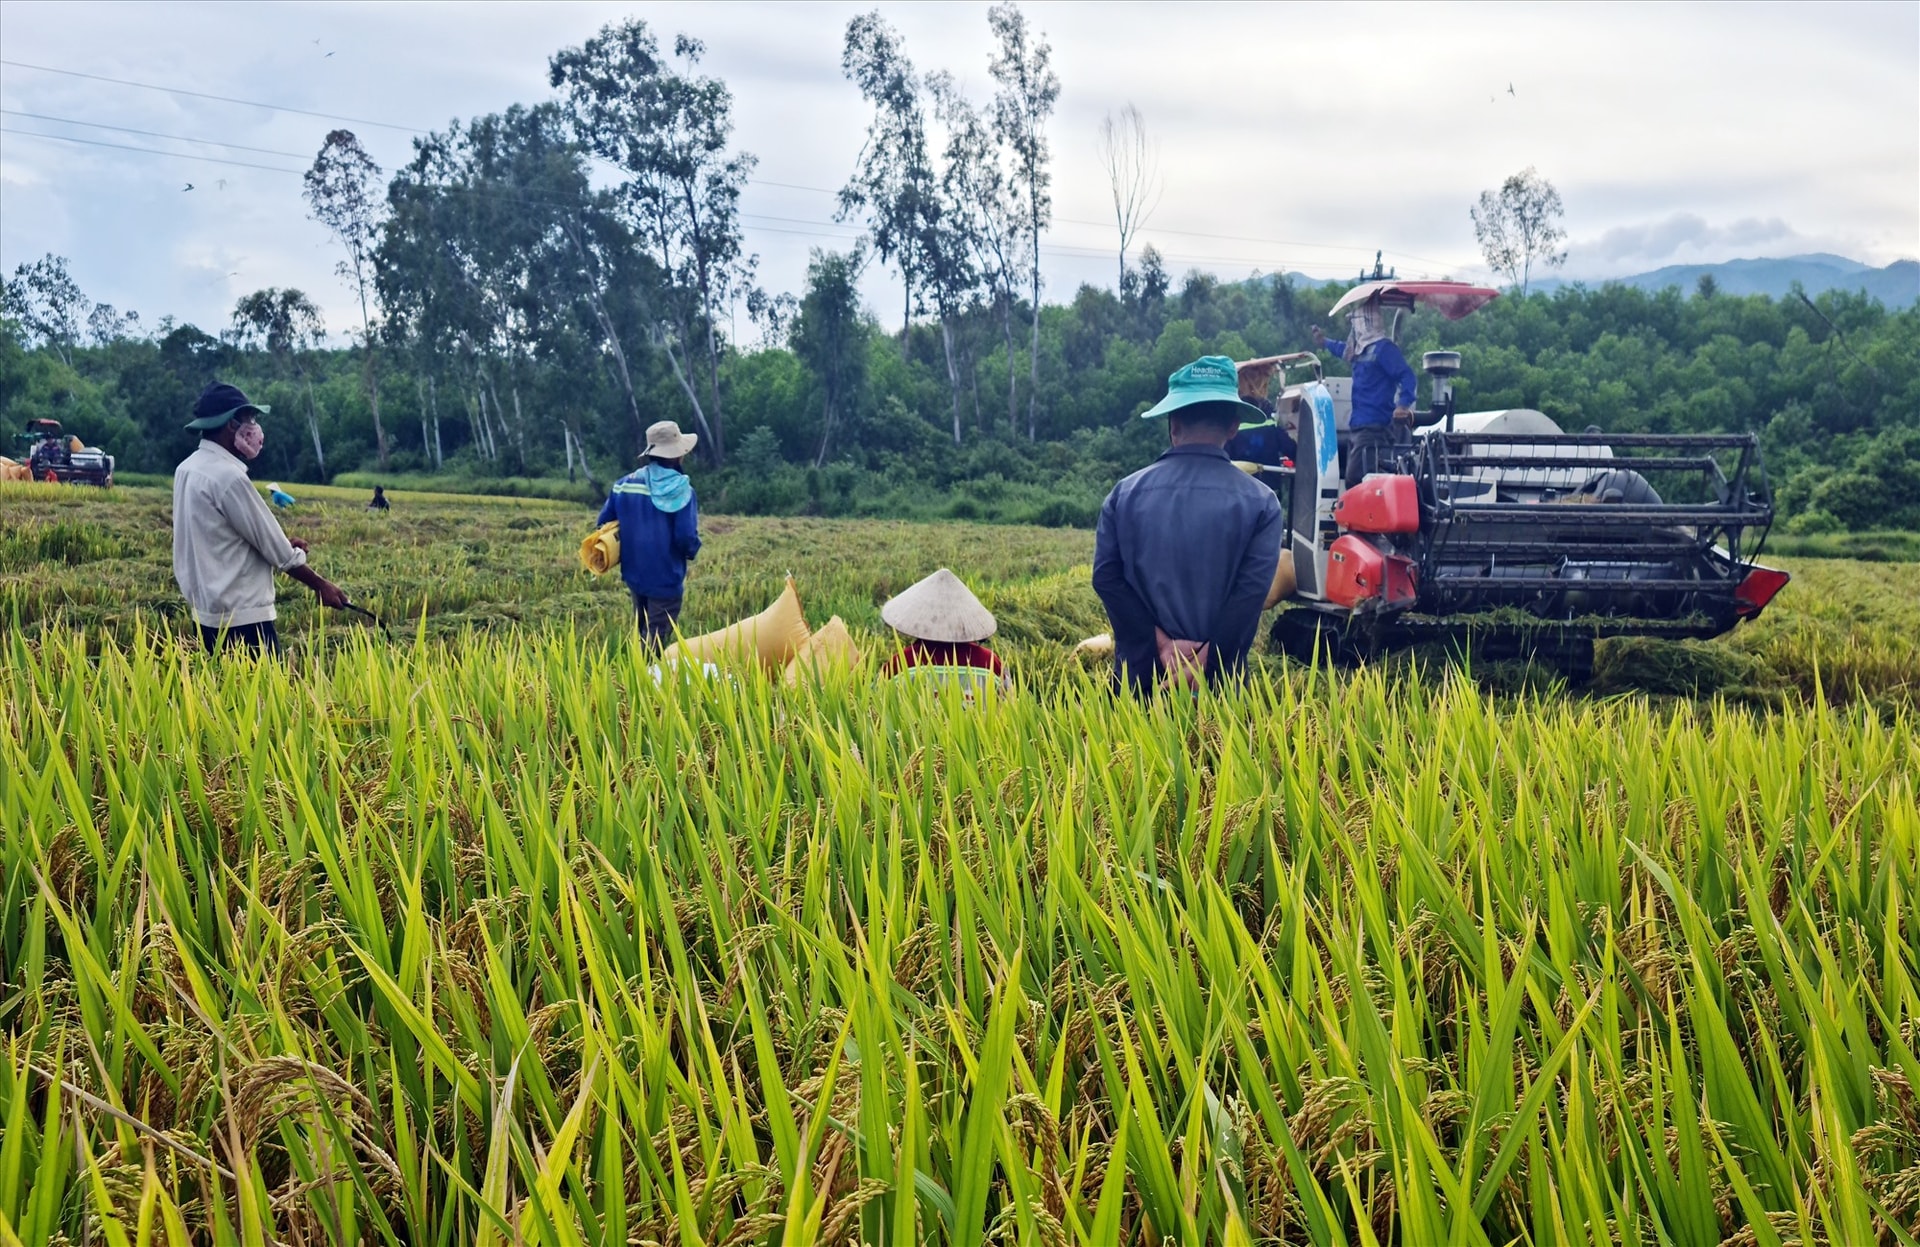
{"x": 1499, "y": 532}
{"x": 51, "y": 454}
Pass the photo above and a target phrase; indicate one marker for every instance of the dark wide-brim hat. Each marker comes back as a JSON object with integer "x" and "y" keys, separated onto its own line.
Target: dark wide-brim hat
{"x": 219, "y": 403}
{"x": 1211, "y": 380}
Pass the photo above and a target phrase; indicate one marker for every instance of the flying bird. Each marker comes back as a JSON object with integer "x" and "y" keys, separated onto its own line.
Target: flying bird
{"x": 187, "y": 187}
{"x": 329, "y": 54}
{"x": 1509, "y": 85}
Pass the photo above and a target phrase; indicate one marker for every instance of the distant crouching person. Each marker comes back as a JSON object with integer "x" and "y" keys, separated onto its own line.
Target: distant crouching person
{"x": 659, "y": 529}
{"x": 226, "y": 543}
{"x": 943, "y": 628}
{"x": 1187, "y": 546}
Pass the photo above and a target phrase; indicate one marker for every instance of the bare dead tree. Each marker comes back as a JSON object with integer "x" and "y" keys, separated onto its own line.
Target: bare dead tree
{"x": 1132, "y": 162}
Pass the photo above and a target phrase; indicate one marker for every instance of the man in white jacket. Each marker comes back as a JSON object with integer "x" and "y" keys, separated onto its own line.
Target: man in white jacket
{"x": 226, "y": 543}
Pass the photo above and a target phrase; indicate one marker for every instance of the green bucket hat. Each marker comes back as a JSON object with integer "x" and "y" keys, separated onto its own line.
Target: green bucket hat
{"x": 1209, "y": 379}
{"x": 219, "y": 403}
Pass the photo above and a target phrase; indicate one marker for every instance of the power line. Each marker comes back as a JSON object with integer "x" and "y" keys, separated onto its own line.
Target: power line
{"x": 152, "y": 134}
{"x": 202, "y": 95}
{"x": 1184, "y": 233}
{"x": 1062, "y": 251}
{"x": 145, "y": 151}
{"x": 821, "y": 190}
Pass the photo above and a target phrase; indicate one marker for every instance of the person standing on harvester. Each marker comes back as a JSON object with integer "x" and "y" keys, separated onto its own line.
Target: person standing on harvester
{"x": 1187, "y": 546}
{"x": 226, "y": 543}
{"x": 659, "y": 529}
{"x": 1384, "y": 387}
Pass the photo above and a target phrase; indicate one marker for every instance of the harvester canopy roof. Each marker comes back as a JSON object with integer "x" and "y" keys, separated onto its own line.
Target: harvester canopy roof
{"x": 1452, "y": 299}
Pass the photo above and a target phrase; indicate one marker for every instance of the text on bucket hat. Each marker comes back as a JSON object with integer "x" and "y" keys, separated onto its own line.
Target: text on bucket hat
{"x": 1209, "y": 379}
{"x": 939, "y": 608}
{"x": 219, "y": 403}
{"x": 666, "y": 441}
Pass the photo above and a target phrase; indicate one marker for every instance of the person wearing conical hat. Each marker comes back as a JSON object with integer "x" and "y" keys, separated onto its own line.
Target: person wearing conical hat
{"x": 1187, "y": 546}
{"x": 659, "y": 529}
{"x": 1384, "y": 388}
{"x": 943, "y": 627}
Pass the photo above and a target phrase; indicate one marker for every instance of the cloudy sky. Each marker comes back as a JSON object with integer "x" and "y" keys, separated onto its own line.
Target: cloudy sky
{"x": 1291, "y": 137}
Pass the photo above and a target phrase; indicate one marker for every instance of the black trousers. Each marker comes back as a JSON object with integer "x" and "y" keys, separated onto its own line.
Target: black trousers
{"x": 256, "y": 638}
{"x": 1372, "y": 449}
{"x": 656, "y": 616}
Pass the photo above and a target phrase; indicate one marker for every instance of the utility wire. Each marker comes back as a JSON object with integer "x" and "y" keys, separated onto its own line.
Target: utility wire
{"x": 152, "y": 134}
{"x": 1057, "y": 250}
{"x": 821, "y": 190}
{"x": 1184, "y": 233}
{"x": 202, "y": 95}
{"x": 145, "y": 151}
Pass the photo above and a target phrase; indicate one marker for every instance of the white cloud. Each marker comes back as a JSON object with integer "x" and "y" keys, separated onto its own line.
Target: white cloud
{"x": 1685, "y": 234}
{"x": 1291, "y": 138}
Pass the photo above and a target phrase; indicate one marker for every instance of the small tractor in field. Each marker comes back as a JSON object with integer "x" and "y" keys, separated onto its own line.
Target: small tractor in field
{"x": 52, "y": 455}
{"x": 1497, "y": 532}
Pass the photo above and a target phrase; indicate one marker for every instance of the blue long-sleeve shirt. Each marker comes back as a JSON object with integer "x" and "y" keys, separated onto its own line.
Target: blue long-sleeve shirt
{"x": 1187, "y": 544}
{"x": 1382, "y": 380}
{"x": 655, "y": 545}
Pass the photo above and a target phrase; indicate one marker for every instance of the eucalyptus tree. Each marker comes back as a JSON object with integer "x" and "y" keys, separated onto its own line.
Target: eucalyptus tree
{"x": 668, "y": 131}
{"x": 1519, "y": 227}
{"x": 981, "y": 218}
{"x": 830, "y": 335}
{"x": 286, "y": 324}
{"x": 47, "y": 302}
{"x": 894, "y": 184}
{"x": 500, "y": 254}
{"x": 952, "y": 282}
{"x": 1023, "y": 68}
{"x": 341, "y": 189}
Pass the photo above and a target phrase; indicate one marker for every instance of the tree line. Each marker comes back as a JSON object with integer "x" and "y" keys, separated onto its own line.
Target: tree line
{"x": 536, "y": 286}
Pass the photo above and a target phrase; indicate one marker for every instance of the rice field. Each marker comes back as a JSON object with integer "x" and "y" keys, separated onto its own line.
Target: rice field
{"x": 483, "y": 935}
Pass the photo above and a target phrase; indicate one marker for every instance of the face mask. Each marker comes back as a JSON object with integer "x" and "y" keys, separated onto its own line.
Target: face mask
{"x": 250, "y": 438}
{"x": 1364, "y": 329}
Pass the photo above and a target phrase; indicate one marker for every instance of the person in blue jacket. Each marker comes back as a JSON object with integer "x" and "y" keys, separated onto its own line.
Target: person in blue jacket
{"x": 1383, "y": 387}
{"x": 659, "y": 529}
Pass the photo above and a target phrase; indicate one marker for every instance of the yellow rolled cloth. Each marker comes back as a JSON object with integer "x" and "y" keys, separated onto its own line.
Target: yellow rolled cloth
{"x": 600, "y": 552}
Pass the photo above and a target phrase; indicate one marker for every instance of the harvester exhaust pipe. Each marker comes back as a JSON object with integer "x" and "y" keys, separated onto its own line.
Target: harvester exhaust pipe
{"x": 1443, "y": 367}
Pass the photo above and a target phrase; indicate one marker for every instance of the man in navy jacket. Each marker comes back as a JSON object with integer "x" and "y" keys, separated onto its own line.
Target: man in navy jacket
{"x": 1187, "y": 546}
{"x": 659, "y": 529}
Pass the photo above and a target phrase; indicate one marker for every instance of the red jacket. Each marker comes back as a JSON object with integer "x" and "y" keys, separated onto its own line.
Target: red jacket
{"x": 918, "y": 653}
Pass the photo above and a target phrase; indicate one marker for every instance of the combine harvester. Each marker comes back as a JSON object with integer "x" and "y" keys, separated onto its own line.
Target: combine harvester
{"x": 56, "y": 458}
{"x": 1497, "y": 533}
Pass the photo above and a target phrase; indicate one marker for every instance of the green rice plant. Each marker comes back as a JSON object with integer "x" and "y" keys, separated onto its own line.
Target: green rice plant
{"x": 502, "y": 939}
{"x": 477, "y": 567}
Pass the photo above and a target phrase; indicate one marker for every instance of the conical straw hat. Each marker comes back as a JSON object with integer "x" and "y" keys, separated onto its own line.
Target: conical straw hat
{"x": 939, "y": 608}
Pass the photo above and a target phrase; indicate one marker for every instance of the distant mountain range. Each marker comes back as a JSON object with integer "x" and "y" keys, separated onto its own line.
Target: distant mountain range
{"x": 1896, "y": 285}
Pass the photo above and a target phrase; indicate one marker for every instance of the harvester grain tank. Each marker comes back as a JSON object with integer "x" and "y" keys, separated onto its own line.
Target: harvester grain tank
{"x": 1499, "y": 530}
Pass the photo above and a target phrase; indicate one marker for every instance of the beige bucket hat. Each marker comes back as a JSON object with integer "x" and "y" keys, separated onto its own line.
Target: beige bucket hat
{"x": 939, "y": 608}
{"x": 666, "y": 441}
